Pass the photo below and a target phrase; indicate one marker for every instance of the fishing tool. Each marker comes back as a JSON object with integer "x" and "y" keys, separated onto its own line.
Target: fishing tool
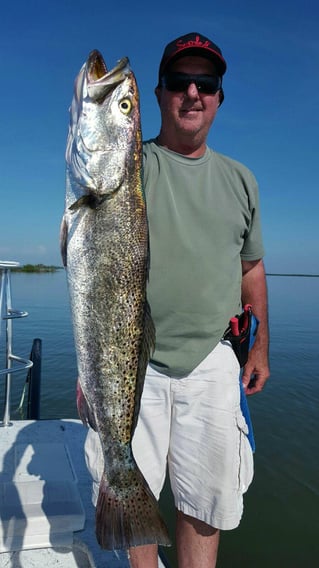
{"x": 241, "y": 333}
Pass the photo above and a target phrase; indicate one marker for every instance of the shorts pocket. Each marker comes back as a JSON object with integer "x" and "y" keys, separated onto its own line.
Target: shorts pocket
{"x": 246, "y": 461}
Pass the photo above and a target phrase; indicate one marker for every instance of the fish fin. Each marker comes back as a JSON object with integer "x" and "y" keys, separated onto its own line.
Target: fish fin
{"x": 148, "y": 343}
{"x": 85, "y": 413}
{"x": 132, "y": 520}
{"x": 147, "y": 347}
{"x": 64, "y": 241}
{"x": 84, "y": 201}
{"x": 149, "y": 332}
{"x": 89, "y": 200}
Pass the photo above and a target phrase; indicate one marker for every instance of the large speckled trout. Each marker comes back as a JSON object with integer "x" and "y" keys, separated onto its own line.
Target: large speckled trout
{"x": 104, "y": 241}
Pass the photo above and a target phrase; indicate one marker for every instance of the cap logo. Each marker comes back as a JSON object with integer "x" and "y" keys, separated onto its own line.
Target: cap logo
{"x": 192, "y": 43}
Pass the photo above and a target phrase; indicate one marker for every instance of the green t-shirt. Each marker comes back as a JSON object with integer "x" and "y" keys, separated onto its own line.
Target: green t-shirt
{"x": 203, "y": 220}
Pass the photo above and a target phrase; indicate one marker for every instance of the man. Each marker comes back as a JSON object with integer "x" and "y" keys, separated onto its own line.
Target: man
{"x": 206, "y": 260}
{"x": 205, "y": 263}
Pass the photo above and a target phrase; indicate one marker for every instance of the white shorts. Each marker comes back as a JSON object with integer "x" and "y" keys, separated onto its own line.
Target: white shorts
{"x": 195, "y": 425}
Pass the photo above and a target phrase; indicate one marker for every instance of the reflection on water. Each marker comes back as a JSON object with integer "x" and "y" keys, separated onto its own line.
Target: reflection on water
{"x": 281, "y": 522}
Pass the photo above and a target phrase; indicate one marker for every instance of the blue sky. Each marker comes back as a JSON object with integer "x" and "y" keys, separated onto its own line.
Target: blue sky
{"x": 269, "y": 119}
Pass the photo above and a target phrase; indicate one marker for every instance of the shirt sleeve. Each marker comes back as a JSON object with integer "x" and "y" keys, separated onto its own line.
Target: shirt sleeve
{"x": 253, "y": 248}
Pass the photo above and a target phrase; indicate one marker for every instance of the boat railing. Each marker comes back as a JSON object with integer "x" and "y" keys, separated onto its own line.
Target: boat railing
{"x": 13, "y": 363}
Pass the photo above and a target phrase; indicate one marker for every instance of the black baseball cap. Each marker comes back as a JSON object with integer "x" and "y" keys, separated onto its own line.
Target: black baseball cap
{"x": 192, "y": 44}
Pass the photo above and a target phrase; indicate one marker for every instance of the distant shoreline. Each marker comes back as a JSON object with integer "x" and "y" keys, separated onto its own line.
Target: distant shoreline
{"x": 31, "y": 268}
{"x": 292, "y": 274}
{"x": 38, "y": 268}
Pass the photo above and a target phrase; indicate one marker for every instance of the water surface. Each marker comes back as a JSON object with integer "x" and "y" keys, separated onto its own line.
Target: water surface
{"x": 281, "y": 521}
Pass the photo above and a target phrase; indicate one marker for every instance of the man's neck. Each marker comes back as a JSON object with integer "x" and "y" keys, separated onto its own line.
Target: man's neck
{"x": 182, "y": 146}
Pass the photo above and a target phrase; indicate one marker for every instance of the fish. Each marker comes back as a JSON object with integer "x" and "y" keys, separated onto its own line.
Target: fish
{"x": 105, "y": 249}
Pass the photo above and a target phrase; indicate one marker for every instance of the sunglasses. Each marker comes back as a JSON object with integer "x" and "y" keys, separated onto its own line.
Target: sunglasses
{"x": 179, "y": 82}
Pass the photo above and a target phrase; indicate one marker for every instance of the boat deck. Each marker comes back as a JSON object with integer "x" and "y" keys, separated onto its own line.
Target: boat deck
{"x": 46, "y": 514}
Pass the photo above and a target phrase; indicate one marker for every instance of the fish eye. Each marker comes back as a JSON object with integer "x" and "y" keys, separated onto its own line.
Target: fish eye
{"x": 125, "y": 106}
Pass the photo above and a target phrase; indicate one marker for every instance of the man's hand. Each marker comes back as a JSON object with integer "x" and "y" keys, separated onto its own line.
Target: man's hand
{"x": 254, "y": 292}
{"x": 256, "y": 371}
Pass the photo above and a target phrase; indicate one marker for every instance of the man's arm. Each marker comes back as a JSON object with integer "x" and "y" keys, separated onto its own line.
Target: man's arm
{"x": 254, "y": 292}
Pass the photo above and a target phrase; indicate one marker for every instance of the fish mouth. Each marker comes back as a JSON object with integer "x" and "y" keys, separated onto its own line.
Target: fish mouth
{"x": 100, "y": 81}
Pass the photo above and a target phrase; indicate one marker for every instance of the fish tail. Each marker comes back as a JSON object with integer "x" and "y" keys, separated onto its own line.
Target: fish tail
{"x": 131, "y": 519}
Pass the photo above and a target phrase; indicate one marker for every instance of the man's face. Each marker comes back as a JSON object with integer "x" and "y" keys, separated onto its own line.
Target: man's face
{"x": 189, "y": 112}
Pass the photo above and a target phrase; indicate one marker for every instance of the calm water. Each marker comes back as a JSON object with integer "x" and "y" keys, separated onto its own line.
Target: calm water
{"x": 281, "y": 521}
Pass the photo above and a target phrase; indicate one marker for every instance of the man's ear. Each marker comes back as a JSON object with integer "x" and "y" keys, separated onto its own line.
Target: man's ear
{"x": 158, "y": 93}
{"x": 221, "y": 96}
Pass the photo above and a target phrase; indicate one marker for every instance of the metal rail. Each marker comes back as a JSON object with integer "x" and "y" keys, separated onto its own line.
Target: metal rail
{"x": 14, "y": 363}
